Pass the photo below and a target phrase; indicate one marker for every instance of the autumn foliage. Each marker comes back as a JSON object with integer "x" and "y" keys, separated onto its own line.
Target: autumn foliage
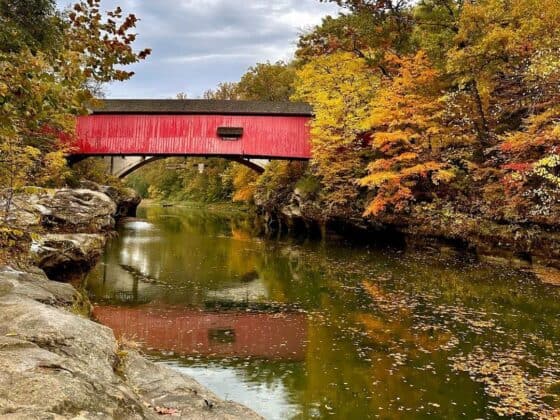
{"x": 448, "y": 103}
{"x": 405, "y": 124}
{"x": 51, "y": 67}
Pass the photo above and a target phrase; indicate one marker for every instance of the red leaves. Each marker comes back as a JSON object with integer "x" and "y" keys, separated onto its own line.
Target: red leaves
{"x": 519, "y": 167}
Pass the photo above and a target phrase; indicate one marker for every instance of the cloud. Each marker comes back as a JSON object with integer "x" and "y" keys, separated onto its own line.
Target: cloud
{"x": 199, "y": 43}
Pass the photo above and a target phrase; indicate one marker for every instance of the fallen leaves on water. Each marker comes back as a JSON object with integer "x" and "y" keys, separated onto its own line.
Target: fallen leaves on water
{"x": 506, "y": 379}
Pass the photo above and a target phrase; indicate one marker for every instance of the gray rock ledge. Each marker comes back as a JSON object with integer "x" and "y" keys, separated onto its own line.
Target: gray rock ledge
{"x": 57, "y": 364}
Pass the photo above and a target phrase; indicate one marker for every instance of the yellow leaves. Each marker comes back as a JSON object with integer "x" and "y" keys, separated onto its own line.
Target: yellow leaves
{"x": 555, "y": 132}
{"x": 244, "y": 183}
{"x": 546, "y": 168}
{"x": 377, "y": 179}
{"x": 518, "y": 392}
{"x": 340, "y": 87}
{"x": 443, "y": 176}
{"x": 544, "y": 64}
{"x": 30, "y": 153}
{"x": 55, "y": 170}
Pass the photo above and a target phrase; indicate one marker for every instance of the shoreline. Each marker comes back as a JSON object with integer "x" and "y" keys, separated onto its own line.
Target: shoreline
{"x": 524, "y": 246}
{"x": 57, "y": 361}
{"x": 532, "y": 248}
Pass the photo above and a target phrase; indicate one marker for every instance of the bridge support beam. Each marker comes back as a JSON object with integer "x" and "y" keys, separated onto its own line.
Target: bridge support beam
{"x": 122, "y": 166}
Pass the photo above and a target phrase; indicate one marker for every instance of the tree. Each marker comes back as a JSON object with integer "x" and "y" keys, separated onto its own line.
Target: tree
{"x": 499, "y": 47}
{"x": 33, "y": 24}
{"x": 267, "y": 82}
{"x": 225, "y": 91}
{"x": 244, "y": 180}
{"x": 405, "y": 124}
{"x": 340, "y": 87}
{"x": 436, "y": 26}
{"x": 43, "y": 87}
{"x": 532, "y": 167}
{"x": 366, "y": 32}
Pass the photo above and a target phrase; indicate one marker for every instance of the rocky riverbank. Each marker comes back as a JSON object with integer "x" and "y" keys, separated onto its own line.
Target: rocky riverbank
{"x": 526, "y": 243}
{"x": 54, "y": 361}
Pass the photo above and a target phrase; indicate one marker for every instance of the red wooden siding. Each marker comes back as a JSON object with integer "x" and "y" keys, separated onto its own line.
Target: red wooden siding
{"x": 189, "y": 332}
{"x": 266, "y": 136}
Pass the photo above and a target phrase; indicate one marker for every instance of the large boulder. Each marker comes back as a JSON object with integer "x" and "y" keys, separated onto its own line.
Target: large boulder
{"x": 126, "y": 199}
{"x": 60, "y": 252}
{"x": 77, "y": 210}
{"x": 56, "y": 364}
{"x": 63, "y": 210}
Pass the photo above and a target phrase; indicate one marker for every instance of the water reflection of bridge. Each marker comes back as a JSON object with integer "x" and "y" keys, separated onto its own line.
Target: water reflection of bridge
{"x": 189, "y": 332}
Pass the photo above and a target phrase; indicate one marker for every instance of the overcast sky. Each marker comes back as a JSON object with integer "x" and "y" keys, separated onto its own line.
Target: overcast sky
{"x": 198, "y": 43}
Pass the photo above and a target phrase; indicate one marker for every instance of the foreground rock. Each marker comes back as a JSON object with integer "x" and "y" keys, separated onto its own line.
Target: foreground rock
{"x": 55, "y": 363}
{"x": 126, "y": 199}
{"x": 62, "y": 210}
{"x": 67, "y": 252}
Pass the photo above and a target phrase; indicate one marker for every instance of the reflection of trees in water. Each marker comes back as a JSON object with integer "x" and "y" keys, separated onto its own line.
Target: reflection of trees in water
{"x": 383, "y": 324}
{"x": 414, "y": 310}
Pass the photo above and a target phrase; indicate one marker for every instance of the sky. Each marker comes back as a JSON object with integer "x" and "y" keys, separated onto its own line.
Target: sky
{"x": 198, "y": 43}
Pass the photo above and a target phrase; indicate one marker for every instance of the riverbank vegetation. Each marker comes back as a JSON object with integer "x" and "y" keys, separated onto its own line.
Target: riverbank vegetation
{"x": 448, "y": 104}
{"x": 52, "y": 67}
{"x": 425, "y": 112}
{"x": 439, "y": 117}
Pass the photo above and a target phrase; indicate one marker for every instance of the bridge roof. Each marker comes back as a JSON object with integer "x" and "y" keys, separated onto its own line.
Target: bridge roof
{"x": 201, "y": 106}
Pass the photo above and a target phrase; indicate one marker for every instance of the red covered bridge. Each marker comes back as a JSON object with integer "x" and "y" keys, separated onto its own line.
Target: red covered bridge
{"x": 237, "y": 130}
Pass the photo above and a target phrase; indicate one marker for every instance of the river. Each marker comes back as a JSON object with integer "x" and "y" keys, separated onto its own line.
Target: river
{"x": 300, "y": 328}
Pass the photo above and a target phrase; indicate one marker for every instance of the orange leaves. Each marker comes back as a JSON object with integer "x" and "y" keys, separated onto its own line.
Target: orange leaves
{"x": 405, "y": 121}
{"x": 394, "y": 195}
{"x": 542, "y": 130}
{"x": 384, "y": 141}
{"x": 406, "y": 156}
{"x": 518, "y": 167}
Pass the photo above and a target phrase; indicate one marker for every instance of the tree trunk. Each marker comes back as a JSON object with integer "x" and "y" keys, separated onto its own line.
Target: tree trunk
{"x": 482, "y": 126}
